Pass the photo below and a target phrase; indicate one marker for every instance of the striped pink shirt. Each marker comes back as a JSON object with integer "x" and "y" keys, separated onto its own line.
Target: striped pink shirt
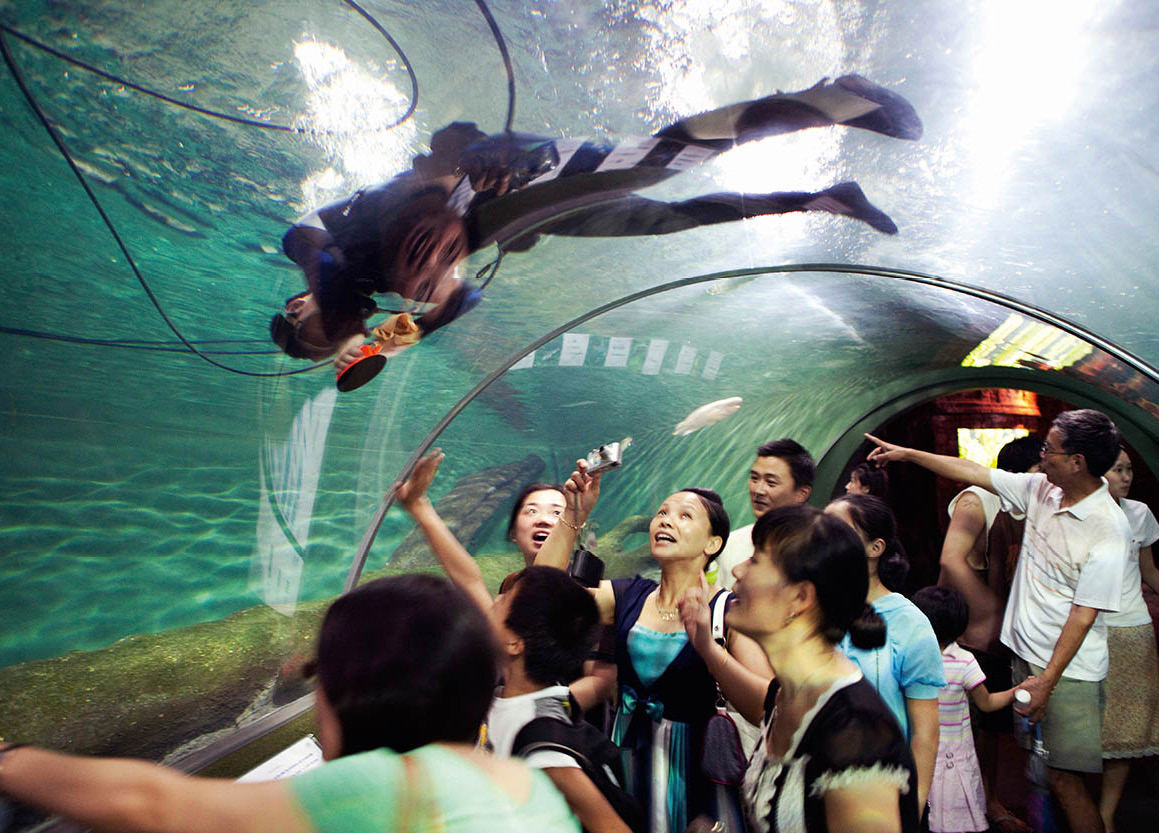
{"x": 962, "y": 675}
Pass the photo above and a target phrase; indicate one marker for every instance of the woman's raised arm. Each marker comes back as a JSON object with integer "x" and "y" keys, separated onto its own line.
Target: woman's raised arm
{"x": 742, "y": 669}
{"x": 580, "y": 494}
{"x": 456, "y": 561}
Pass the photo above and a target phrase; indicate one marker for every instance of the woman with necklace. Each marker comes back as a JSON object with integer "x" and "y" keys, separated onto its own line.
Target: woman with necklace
{"x": 666, "y": 692}
{"x": 832, "y": 757}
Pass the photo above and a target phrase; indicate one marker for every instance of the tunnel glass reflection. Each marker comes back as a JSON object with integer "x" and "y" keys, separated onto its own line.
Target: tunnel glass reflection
{"x": 202, "y": 519}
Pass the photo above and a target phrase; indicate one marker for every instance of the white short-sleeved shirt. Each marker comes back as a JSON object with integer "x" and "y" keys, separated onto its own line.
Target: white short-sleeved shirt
{"x": 738, "y": 548}
{"x": 1075, "y": 555}
{"x": 1144, "y": 533}
{"x": 991, "y": 504}
{"x": 510, "y": 715}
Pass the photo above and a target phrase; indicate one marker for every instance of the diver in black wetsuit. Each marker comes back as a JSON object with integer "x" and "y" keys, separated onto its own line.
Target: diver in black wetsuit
{"x": 408, "y": 235}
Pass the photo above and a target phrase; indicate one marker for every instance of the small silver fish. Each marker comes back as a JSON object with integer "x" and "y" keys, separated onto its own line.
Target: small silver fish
{"x": 706, "y": 415}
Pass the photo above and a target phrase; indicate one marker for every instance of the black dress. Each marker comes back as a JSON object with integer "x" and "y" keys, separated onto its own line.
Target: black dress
{"x": 849, "y": 736}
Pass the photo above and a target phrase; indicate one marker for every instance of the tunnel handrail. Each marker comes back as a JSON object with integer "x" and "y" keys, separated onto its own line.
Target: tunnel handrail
{"x": 1000, "y": 299}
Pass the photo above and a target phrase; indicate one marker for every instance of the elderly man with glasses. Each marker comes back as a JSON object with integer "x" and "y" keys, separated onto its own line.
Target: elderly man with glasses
{"x": 1074, "y": 552}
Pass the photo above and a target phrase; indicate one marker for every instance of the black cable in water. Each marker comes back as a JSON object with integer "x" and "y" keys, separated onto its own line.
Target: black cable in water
{"x": 414, "y": 82}
{"x": 144, "y": 344}
{"x": 502, "y": 44}
{"x": 18, "y": 77}
{"x": 31, "y": 99}
{"x": 56, "y": 53}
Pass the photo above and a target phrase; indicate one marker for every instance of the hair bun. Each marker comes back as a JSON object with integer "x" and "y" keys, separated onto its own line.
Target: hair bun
{"x": 868, "y": 630}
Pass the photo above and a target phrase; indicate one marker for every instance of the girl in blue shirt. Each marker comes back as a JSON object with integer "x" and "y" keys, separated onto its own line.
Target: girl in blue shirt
{"x": 907, "y": 671}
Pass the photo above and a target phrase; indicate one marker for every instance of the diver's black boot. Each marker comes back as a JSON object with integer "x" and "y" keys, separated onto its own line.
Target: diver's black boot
{"x": 894, "y": 117}
{"x": 848, "y": 199}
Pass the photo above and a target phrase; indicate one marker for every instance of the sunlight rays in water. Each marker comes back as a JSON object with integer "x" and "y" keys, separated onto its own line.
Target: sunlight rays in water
{"x": 1027, "y": 73}
{"x": 696, "y": 50}
{"x": 347, "y": 109}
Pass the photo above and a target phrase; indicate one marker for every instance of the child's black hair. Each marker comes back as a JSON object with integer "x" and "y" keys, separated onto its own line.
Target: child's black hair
{"x": 946, "y": 609}
{"x": 557, "y": 620}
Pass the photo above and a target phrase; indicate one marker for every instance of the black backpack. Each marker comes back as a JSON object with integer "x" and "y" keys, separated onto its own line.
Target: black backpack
{"x": 593, "y": 751}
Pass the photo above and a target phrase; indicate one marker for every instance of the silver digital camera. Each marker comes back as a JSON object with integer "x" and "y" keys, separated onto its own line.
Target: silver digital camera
{"x": 606, "y": 457}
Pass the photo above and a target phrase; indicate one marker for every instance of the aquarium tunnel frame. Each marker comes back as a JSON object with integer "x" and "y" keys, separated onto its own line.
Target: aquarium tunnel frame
{"x": 1132, "y": 421}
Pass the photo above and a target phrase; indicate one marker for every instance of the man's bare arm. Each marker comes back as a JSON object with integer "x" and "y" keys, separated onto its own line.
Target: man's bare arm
{"x": 1074, "y": 631}
{"x": 955, "y": 469}
{"x": 1147, "y": 568}
{"x": 966, "y": 533}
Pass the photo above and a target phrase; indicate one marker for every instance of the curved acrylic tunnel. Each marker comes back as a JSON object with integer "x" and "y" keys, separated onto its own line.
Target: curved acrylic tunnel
{"x": 170, "y": 531}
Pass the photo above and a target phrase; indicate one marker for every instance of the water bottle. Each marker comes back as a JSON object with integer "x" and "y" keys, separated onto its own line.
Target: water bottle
{"x": 1039, "y": 809}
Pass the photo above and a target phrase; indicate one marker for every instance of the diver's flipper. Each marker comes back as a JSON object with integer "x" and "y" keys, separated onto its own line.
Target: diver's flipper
{"x": 850, "y": 100}
{"x": 848, "y": 199}
{"x": 894, "y": 117}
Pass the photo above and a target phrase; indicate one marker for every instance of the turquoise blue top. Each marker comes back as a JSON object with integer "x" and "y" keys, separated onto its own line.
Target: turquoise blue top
{"x": 909, "y": 665}
{"x": 367, "y": 792}
{"x": 653, "y": 651}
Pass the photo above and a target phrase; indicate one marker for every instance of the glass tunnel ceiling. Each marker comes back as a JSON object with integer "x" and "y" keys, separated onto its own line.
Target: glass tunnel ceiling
{"x": 147, "y": 492}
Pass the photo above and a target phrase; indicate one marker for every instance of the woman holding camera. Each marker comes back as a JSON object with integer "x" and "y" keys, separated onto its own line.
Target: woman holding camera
{"x": 537, "y": 511}
{"x": 667, "y": 694}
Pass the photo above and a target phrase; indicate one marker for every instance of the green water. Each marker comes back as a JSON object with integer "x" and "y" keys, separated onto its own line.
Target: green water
{"x": 132, "y": 480}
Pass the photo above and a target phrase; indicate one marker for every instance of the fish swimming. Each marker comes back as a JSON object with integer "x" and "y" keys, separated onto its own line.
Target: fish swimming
{"x": 706, "y": 415}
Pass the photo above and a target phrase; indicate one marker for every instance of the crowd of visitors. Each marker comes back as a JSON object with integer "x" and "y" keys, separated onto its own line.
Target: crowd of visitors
{"x": 443, "y": 706}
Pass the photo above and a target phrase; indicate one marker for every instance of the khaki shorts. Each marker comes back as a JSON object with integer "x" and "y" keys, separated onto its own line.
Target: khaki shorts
{"x": 1072, "y": 728}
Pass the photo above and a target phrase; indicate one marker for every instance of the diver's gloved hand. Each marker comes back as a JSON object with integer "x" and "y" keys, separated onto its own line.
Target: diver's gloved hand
{"x": 508, "y": 162}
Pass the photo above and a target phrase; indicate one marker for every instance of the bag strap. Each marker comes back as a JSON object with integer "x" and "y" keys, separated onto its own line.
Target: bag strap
{"x": 717, "y": 607}
{"x": 547, "y": 733}
{"x": 417, "y": 809}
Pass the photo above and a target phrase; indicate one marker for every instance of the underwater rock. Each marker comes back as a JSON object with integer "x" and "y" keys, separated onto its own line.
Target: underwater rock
{"x": 470, "y": 504}
{"x": 148, "y": 694}
{"x": 610, "y": 548}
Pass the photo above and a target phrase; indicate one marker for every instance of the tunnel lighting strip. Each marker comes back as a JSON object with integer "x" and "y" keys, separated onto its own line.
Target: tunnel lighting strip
{"x": 1119, "y": 353}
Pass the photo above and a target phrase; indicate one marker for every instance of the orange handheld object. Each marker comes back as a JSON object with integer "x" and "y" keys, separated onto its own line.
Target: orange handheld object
{"x": 361, "y": 371}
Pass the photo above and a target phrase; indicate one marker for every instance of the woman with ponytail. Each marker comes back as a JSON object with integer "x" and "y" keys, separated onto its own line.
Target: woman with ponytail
{"x": 907, "y": 670}
{"x": 831, "y": 756}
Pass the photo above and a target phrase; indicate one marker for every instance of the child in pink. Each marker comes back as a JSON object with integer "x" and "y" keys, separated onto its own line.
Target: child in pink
{"x": 957, "y": 798}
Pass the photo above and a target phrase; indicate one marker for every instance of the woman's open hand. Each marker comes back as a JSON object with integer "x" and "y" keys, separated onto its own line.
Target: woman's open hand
{"x": 694, "y": 612}
{"x": 414, "y": 489}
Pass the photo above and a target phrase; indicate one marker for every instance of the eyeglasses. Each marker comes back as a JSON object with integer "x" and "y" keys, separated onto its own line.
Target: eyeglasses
{"x": 1046, "y": 450}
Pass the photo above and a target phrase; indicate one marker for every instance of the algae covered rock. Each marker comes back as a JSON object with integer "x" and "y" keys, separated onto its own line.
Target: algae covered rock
{"x": 149, "y": 693}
